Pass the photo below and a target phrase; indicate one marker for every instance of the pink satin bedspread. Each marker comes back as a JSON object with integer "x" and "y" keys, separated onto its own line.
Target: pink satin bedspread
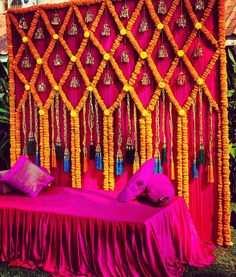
{"x": 72, "y": 232}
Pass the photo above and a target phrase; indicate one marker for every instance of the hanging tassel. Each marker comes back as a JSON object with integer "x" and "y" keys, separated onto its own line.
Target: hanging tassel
{"x": 129, "y": 154}
{"x": 37, "y": 158}
{"x": 92, "y": 151}
{"x": 98, "y": 161}
{"x": 136, "y": 164}
{"x": 66, "y": 160}
{"x": 172, "y": 170}
{"x": 85, "y": 161}
{"x": 201, "y": 155}
{"x": 59, "y": 151}
{"x": 164, "y": 159}
{"x": 31, "y": 146}
{"x": 119, "y": 166}
{"x": 195, "y": 170}
{"x": 157, "y": 165}
{"x": 210, "y": 173}
{"x": 54, "y": 158}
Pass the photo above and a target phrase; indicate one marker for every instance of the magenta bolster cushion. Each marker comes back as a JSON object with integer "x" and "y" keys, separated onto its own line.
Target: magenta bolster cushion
{"x": 26, "y": 177}
{"x": 157, "y": 188}
{"x": 138, "y": 182}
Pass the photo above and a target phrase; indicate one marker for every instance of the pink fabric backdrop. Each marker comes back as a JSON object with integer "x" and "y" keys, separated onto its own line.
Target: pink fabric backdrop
{"x": 202, "y": 195}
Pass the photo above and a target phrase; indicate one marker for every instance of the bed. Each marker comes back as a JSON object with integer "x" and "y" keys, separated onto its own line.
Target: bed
{"x": 72, "y": 232}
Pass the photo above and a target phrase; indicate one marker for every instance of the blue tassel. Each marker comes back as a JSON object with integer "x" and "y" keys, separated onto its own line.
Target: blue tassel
{"x": 37, "y": 158}
{"x": 195, "y": 170}
{"x": 157, "y": 166}
{"x": 98, "y": 161}
{"x": 66, "y": 164}
{"x": 119, "y": 167}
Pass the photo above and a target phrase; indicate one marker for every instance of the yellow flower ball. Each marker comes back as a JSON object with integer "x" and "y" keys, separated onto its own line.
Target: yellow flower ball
{"x": 123, "y": 32}
{"x": 182, "y": 112}
{"x": 161, "y": 84}
{"x": 160, "y": 26}
{"x": 106, "y": 57}
{"x": 27, "y": 87}
{"x": 144, "y": 113}
{"x": 106, "y": 112}
{"x": 39, "y": 61}
{"x": 55, "y": 36}
{"x": 180, "y": 53}
{"x": 73, "y": 113}
{"x": 73, "y": 58}
{"x": 90, "y": 88}
{"x": 56, "y": 87}
{"x": 41, "y": 112}
{"x": 86, "y": 34}
{"x": 24, "y": 39}
{"x": 198, "y": 25}
{"x": 143, "y": 55}
{"x": 131, "y": 89}
{"x": 200, "y": 81}
{"x": 126, "y": 87}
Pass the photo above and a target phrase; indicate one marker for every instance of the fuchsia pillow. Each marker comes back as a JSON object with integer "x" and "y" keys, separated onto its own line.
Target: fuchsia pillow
{"x": 26, "y": 177}
{"x": 157, "y": 188}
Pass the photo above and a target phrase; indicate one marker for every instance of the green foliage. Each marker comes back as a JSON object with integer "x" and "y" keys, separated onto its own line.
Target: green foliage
{"x": 4, "y": 116}
{"x": 231, "y": 70}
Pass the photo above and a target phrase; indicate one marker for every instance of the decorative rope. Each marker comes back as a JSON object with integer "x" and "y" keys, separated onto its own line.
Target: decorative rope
{"x": 172, "y": 165}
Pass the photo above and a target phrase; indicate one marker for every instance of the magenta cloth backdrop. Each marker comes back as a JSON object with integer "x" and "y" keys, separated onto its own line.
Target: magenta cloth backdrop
{"x": 203, "y": 196}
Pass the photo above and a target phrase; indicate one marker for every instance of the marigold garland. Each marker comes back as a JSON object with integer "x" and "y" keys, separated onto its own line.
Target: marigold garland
{"x": 146, "y": 118}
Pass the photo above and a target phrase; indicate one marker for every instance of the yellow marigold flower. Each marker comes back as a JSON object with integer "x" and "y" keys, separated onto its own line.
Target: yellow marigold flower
{"x": 56, "y": 87}
{"x": 182, "y": 112}
{"x": 73, "y": 58}
{"x": 55, "y": 36}
{"x": 24, "y": 39}
{"x": 160, "y": 26}
{"x": 27, "y": 87}
{"x": 106, "y": 112}
{"x": 180, "y": 53}
{"x": 41, "y": 112}
{"x": 198, "y": 25}
{"x": 143, "y": 55}
{"x": 123, "y": 32}
{"x": 73, "y": 113}
{"x": 144, "y": 113}
{"x": 90, "y": 88}
{"x": 106, "y": 56}
{"x": 161, "y": 84}
{"x": 86, "y": 34}
{"x": 126, "y": 87}
{"x": 200, "y": 81}
{"x": 39, "y": 61}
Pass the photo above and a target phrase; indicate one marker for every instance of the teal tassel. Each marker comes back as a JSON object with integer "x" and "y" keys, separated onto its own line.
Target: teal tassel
{"x": 66, "y": 160}
{"x": 164, "y": 160}
{"x": 37, "y": 158}
{"x": 157, "y": 166}
{"x": 31, "y": 147}
{"x": 195, "y": 170}
{"x": 119, "y": 167}
{"x": 66, "y": 164}
{"x": 59, "y": 155}
{"x": 201, "y": 156}
{"x": 98, "y": 161}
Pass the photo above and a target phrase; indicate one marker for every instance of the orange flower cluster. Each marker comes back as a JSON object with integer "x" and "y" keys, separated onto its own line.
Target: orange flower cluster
{"x": 224, "y": 127}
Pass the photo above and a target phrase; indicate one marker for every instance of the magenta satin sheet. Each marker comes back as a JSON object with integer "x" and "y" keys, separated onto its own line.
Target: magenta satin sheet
{"x": 69, "y": 232}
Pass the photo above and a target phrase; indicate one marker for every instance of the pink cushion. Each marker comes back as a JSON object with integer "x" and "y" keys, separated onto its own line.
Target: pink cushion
{"x": 138, "y": 182}
{"x": 26, "y": 177}
{"x": 4, "y": 188}
{"x": 157, "y": 188}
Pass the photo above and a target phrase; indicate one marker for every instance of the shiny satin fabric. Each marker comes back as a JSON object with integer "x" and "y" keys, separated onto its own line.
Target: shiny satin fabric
{"x": 72, "y": 232}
